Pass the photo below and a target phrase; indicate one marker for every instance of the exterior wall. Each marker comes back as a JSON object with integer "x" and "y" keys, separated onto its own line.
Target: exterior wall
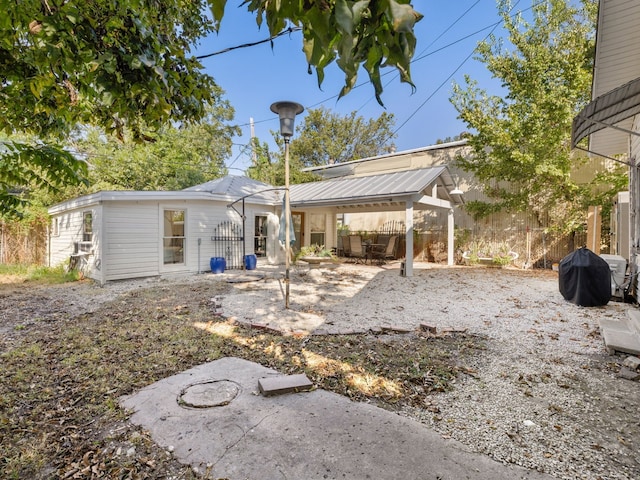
{"x": 68, "y": 231}
{"x": 131, "y": 240}
{"x": 634, "y": 201}
{"x": 127, "y": 236}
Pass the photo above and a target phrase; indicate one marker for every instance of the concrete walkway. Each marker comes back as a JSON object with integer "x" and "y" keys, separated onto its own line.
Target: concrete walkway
{"x": 213, "y": 418}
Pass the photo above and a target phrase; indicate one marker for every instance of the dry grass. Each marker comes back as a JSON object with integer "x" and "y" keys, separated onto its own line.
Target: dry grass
{"x": 61, "y": 381}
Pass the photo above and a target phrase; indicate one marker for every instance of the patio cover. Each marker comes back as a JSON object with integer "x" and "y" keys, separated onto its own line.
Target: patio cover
{"x": 423, "y": 188}
{"x": 613, "y": 110}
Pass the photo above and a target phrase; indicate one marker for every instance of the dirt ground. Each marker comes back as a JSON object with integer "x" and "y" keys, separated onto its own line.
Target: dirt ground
{"x": 534, "y": 386}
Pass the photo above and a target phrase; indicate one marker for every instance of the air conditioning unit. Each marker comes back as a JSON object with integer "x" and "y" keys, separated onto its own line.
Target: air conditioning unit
{"x": 618, "y": 266}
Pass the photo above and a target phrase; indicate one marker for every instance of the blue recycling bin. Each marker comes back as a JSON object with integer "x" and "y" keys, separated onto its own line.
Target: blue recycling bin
{"x": 250, "y": 262}
{"x": 218, "y": 264}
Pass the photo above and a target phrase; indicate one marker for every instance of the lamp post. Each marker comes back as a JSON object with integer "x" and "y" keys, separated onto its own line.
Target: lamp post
{"x": 287, "y": 112}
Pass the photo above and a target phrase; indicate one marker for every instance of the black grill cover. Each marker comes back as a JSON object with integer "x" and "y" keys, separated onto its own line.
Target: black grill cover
{"x": 585, "y": 278}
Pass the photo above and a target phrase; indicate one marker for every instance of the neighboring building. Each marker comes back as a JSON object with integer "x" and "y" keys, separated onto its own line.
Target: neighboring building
{"x": 611, "y": 121}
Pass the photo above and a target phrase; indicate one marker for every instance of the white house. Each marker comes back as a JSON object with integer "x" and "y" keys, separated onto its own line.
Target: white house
{"x": 127, "y": 234}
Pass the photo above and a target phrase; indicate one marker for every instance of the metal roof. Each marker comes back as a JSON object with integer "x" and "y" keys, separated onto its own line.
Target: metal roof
{"x": 617, "y": 62}
{"x": 236, "y": 187}
{"x": 383, "y": 188}
{"x": 609, "y": 109}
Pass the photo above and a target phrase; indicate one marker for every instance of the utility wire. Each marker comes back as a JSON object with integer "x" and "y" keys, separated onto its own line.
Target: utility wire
{"x": 252, "y": 44}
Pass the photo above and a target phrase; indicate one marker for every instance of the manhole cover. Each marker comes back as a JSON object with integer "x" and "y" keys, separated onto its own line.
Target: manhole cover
{"x": 216, "y": 393}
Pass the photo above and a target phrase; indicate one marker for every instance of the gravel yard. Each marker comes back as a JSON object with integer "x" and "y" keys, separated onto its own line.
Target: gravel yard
{"x": 542, "y": 392}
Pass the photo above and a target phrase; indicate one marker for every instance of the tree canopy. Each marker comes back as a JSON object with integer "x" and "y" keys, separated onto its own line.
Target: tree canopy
{"x": 325, "y": 137}
{"x": 521, "y": 141}
{"x": 127, "y": 66}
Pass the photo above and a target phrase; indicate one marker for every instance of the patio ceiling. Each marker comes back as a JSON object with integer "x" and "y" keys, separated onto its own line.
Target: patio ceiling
{"x": 426, "y": 187}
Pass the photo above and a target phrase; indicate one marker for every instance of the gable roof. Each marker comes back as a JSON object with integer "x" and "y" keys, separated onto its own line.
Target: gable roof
{"x": 386, "y": 188}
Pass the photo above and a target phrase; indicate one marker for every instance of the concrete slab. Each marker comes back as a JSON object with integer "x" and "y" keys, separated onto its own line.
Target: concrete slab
{"x": 313, "y": 435}
{"x": 284, "y": 384}
{"x": 621, "y": 341}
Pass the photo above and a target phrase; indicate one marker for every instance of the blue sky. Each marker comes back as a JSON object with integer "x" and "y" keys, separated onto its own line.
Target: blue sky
{"x": 255, "y": 77}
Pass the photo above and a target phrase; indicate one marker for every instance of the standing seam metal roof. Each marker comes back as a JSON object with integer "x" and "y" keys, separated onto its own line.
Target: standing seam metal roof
{"x": 358, "y": 189}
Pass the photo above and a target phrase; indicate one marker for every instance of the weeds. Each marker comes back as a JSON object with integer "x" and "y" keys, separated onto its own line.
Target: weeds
{"x": 60, "y": 384}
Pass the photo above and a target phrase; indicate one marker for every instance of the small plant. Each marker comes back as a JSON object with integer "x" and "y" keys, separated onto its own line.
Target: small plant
{"x": 315, "y": 251}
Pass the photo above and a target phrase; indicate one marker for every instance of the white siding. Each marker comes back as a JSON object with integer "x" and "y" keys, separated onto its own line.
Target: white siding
{"x": 62, "y": 245}
{"x": 131, "y": 240}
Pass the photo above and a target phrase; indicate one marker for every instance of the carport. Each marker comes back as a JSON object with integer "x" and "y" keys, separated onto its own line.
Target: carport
{"x": 409, "y": 190}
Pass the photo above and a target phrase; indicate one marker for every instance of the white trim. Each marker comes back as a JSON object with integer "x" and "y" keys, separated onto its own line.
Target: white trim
{"x": 172, "y": 267}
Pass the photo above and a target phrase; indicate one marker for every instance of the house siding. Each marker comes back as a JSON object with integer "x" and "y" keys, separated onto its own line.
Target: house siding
{"x": 69, "y": 231}
{"x": 131, "y": 240}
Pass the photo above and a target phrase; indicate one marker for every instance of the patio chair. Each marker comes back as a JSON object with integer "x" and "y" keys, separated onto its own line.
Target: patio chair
{"x": 356, "y": 250}
{"x": 388, "y": 252}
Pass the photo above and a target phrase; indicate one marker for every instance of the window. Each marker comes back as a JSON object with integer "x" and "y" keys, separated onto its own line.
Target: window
{"x": 55, "y": 227}
{"x": 318, "y": 227}
{"x": 87, "y": 226}
{"x": 173, "y": 237}
{"x": 260, "y": 236}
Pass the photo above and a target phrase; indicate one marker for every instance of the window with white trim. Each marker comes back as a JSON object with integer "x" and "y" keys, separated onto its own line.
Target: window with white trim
{"x": 318, "y": 227}
{"x": 173, "y": 239}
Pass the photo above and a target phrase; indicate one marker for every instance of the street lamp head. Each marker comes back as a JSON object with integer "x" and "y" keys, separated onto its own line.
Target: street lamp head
{"x": 287, "y": 112}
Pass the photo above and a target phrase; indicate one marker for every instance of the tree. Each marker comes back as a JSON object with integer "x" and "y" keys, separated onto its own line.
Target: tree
{"x": 325, "y": 138}
{"x": 269, "y": 168}
{"x": 126, "y": 66}
{"x": 521, "y": 144}
{"x": 179, "y": 157}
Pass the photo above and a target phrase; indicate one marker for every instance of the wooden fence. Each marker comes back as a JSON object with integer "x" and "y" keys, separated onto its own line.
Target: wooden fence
{"x": 23, "y": 243}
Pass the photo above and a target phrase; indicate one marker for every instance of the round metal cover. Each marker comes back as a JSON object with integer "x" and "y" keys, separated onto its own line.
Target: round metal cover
{"x": 217, "y": 393}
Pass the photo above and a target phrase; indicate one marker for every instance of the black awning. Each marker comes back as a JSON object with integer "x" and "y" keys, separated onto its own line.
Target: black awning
{"x": 606, "y": 111}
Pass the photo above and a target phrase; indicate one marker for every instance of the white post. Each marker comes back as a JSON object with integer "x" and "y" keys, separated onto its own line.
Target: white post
{"x": 408, "y": 257}
{"x": 450, "y": 239}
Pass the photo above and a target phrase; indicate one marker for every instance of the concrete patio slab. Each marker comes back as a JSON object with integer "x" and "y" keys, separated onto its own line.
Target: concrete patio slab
{"x": 231, "y": 431}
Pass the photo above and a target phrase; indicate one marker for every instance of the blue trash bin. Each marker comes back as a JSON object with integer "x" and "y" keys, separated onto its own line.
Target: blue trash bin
{"x": 250, "y": 262}
{"x": 218, "y": 264}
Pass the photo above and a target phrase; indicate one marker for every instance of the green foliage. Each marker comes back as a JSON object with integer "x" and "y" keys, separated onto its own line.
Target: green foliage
{"x": 325, "y": 138}
{"x": 39, "y": 274}
{"x": 315, "y": 251}
{"x": 521, "y": 144}
{"x": 127, "y": 68}
{"x": 179, "y": 157}
{"x": 355, "y": 34}
{"x": 27, "y": 165}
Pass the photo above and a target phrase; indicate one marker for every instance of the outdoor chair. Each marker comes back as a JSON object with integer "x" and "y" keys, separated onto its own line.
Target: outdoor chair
{"x": 356, "y": 250}
{"x": 388, "y": 252}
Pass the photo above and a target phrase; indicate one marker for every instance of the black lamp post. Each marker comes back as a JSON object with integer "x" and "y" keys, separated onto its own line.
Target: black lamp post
{"x": 287, "y": 112}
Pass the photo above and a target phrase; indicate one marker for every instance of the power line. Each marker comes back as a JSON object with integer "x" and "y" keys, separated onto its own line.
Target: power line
{"x": 252, "y": 44}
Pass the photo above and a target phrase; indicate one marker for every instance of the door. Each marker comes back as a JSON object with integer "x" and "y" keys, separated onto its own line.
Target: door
{"x": 298, "y": 228}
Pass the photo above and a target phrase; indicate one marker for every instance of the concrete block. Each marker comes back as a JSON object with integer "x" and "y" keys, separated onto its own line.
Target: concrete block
{"x": 614, "y": 325}
{"x": 428, "y": 328}
{"x": 281, "y": 384}
{"x": 617, "y": 341}
{"x": 634, "y": 320}
{"x": 632, "y": 363}
{"x": 628, "y": 374}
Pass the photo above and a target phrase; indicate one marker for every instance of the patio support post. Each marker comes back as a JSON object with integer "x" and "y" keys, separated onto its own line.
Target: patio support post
{"x": 450, "y": 239}
{"x": 408, "y": 257}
